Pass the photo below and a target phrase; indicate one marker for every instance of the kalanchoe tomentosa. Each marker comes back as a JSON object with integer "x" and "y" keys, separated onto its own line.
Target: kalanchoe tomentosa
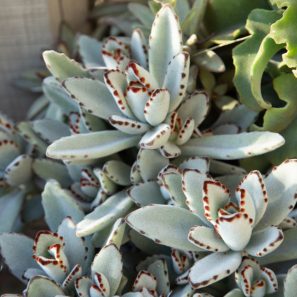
{"x": 18, "y": 189}
{"x": 227, "y": 227}
{"x": 150, "y": 107}
{"x": 59, "y": 257}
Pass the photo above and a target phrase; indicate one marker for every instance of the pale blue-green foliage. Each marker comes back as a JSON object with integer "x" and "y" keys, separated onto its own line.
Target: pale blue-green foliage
{"x": 17, "y": 185}
{"x": 161, "y": 224}
{"x": 219, "y": 225}
{"x": 142, "y": 94}
{"x": 59, "y": 257}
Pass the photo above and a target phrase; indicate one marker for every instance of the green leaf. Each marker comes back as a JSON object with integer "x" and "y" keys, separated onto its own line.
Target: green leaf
{"x": 210, "y": 61}
{"x": 194, "y": 18}
{"x": 284, "y": 31}
{"x": 252, "y": 56}
{"x": 61, "y": 67}
{"x": 91, "y": 145}
{"x": 236, "y": 146}
{"x": 58, "y": 204}
{"x": 167, "y": 225}
{"x": 279, "y": 118}
{"x": 220, "y": 16}
{"x": 10, "y": 207}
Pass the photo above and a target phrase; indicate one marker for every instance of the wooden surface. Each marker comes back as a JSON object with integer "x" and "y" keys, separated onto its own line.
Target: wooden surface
{"x": 27, "y": 28}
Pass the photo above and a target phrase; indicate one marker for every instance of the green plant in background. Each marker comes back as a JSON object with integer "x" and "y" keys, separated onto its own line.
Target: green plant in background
{"x": 268, "y": 55}
{"x": 146, "y": 196}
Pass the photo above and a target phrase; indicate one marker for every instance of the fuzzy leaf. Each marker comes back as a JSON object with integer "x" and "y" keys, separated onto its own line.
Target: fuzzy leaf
{"x": 9, "y": 150}
{"x": 89, "y": 50}
{"x": 58, "y": 204}
{"x": 19, "y": 172}
{"x": 215, "y": 266}
{"x": 176, "y": 79}
{"x": 167, "y": 225}
{"x": 139, "y": 47}
{"x": 193, "y": 182}
{"x": 290, "y": 285}
{"x": 265, "y": 241}
{"x": 156, "y": 108}
{"x": 58, "y": 95}
{"x": 207, "y": 239}
{"x": 165, "y": 42}
{"x": 128, "y": 126}
{"x": 194, "y": 18}
{"x": 118, "y": 172}
{"x": 281, "y": 189}
{"x": 91, "y": 145}
{"x": 10, "y": 207}
{"x": 142, "y": 13}
{"x": 50, "y": 130}
{"x": 93, "y": 95}
{"x": 107, "y": 213}
{"x": 285, "y": 252}
{"x": 61, "y": 66}
{"x": 109, "y": 262}
{"x": 146, "y": 193}
{"x": 78, "y": 250}
{"x": 283, "y": 31}
{"x": 252, "y": 56}
{"x": 195, "y": 107}
{"x": 229, "y": 147}
{"x": 150, "y": 163}
{"x": 48, "y": 169}
{"x": 42, "y": 286}
{"x": 16, "y": 250}
{"x": 210, "y": 61}
{"x": 155, "y": 138}
{"x": 219, "y": 23}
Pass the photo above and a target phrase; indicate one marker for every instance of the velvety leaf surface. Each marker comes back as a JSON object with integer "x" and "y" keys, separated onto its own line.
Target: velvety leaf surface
{"x": 58, "y": 204}
{"x": 166, "y": 225}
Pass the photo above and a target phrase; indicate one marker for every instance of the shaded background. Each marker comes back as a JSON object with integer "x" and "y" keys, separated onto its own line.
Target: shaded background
{"x": 27, "y": 27}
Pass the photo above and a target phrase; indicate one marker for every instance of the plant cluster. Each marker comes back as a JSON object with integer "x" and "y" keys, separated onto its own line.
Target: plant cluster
{"x": 153, "y": 178}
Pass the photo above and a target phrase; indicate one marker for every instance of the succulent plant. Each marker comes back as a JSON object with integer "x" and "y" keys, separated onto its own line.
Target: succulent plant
{"x": 228, "y": 229}
{"x": 148, "y": 107}
{"x": 255, "y": 280}
{"x": 18, "y": 189}
{"x": 58, "y": 258}
{"x": 147, "y": 196}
